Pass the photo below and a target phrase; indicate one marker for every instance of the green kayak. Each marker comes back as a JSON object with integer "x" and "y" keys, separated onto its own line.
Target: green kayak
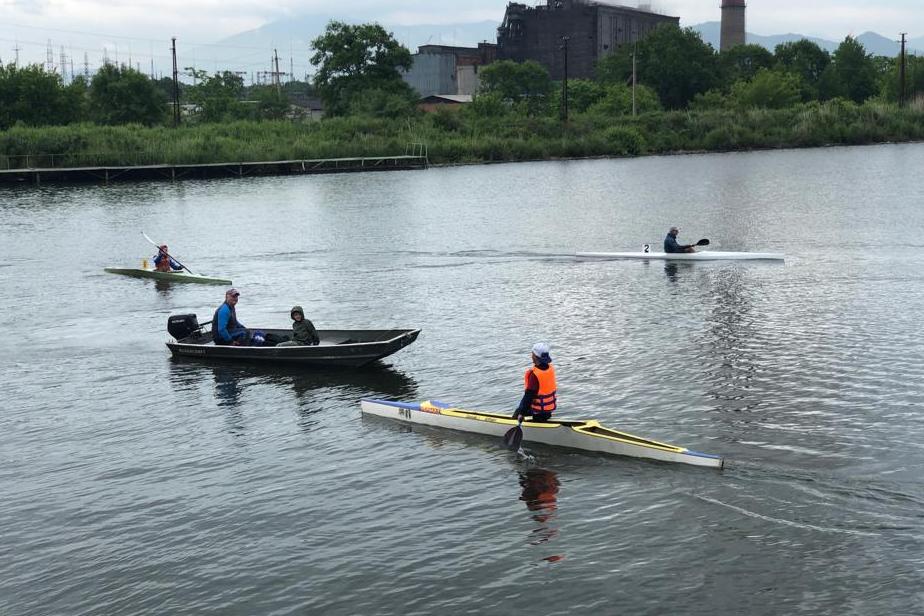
{"x": 168, "y": 276}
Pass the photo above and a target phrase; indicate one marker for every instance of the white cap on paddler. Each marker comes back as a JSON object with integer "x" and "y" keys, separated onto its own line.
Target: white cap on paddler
{"x": 542, "y": 351}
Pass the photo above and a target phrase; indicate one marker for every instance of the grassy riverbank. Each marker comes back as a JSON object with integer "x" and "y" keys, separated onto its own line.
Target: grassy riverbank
{"x": 462, "y": 137}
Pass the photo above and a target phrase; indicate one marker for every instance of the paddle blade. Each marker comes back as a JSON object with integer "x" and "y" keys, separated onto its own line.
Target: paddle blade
{"x": 703, "y": 243}
{"x": 513, "y": 438}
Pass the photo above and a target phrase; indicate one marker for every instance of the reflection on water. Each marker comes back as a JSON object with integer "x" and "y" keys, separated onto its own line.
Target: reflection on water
{"x": 540, "y": 493}
{"x": 727, "y": 340}
{"x": 672, "y": 269}
{"x": 308, "y": 384}
{"x": 163, "y": 287}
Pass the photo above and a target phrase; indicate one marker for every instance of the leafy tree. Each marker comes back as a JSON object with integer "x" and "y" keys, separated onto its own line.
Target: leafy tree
{"x": 856, "y": 70}
{"x": 742, "y": 62}
{"x": 217, "y": 97}
{"x": 582, "y": 93}
{"x": 675, "y": 62}
{"x": 617, "y": 101}
{"x": 914, "y": 80}
{"x": 487, "y": 105}
{"x": 713, "y": 99}
{"x": 525, "y": 84}
{"x": 77, "y": 98}
{"x": 769, "y": 90}
{"x": 164, "y": 85}
{"x": 382, "y": 103}
{"x": 271, "y": 104}
{"x": 34, "y": 97}
{"x": 830, "y": 85}
{"x": 122, "y": 95}
{"x": 806, "y": 59}
{"x": 353, "y": 60}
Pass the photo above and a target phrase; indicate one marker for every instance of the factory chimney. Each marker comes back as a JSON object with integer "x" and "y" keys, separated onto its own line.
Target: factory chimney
{"x": 732, "y": 24}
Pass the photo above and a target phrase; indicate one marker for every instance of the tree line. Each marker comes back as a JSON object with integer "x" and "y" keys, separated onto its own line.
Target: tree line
{"x": 677, "y": 70}
{"x": 360, "y": 74}
{"x": 118, "y": 94}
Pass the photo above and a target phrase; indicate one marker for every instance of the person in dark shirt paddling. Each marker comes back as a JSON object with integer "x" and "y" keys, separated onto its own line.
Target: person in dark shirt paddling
{"x": 541, "y": 396}
{"x": 226, "y": 329}
{"x": 672, "y": 247}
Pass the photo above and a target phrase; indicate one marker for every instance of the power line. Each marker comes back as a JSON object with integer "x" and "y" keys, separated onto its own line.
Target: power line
{"x": 128, "y": 38}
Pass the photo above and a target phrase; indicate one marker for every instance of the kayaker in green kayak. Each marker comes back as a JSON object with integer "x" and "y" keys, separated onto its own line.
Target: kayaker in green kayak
{"x": 163, "y": 262}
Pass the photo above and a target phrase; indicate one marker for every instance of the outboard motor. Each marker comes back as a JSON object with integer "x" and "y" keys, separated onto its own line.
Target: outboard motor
{"x": 183, "y": 325}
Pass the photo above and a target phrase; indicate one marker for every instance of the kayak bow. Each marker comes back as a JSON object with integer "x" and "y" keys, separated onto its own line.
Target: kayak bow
{"x": 573, "y": 434}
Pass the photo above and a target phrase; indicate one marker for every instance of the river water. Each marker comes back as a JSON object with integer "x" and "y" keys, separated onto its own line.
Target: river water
{"x": 134, "y": 484}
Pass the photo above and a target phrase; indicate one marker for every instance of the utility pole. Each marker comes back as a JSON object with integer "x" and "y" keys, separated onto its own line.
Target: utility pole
{"x": 63, "y": 66}
{"x": 16, "y": 50}
{"x": 176, "y": 87}
{"x": 902, "y": 67}
{"x": 86, "y": 67}
{"x": 634, "y": 79}
{"x": 276, "y": 73}
{"x": 564, "y": 83}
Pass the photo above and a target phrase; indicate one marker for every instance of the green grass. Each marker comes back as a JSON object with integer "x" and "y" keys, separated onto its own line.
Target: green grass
{"x": 462, "y": 138}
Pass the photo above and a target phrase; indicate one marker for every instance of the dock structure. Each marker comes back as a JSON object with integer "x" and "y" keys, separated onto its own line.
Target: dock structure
{"x": 118, "y": 173}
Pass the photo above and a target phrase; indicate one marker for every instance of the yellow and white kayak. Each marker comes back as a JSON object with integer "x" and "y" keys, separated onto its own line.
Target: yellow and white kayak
{"x": 573, "y": 434}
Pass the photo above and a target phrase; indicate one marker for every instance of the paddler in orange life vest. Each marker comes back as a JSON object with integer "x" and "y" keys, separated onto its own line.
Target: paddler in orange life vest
{"x": 539, "y": 400}
{"x": 163, "y": 262}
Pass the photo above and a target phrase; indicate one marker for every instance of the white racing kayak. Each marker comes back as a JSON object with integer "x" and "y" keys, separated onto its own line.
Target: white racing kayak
{"x": 573, "y": 434}
{"x": 686, "y": 256}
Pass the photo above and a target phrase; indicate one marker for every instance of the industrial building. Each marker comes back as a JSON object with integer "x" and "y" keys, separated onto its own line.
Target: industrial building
{"x": 733, "y": 24}
{"x": 442, "y": 69}
{"x": 593, "y": 30}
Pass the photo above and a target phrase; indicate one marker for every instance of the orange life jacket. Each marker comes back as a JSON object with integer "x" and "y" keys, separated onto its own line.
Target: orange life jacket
{"x": 164, "y": 265}
{"x": 545, "y": 400}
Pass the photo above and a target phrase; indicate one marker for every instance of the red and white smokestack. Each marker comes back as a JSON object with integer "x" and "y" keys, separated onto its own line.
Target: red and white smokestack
{"x": 733, "y": 24}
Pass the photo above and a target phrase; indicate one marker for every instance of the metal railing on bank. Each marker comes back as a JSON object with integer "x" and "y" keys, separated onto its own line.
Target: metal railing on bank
{"x": 58, "y": 161}
{"x": 10, "y": 162}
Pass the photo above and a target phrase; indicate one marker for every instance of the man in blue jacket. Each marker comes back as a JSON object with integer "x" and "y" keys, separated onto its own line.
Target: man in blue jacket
{"x": 226, "y": 329}
{"x": 672, "y": 247}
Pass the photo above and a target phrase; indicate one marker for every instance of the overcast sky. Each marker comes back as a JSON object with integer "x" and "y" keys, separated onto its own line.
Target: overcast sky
{"x": 134, "y": 23}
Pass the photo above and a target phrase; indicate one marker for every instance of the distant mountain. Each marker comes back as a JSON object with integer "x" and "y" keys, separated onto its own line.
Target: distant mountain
{"x": 300, "y": 31}
{"x": 875, "y": 44}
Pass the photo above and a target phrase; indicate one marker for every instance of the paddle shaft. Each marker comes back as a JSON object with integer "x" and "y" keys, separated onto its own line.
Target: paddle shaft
{"x": 156, "y": 245}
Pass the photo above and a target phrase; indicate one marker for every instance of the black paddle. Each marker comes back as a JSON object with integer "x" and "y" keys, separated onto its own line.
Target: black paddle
{"x": 514, "y": 436}
{"x": 702, "y": 243}
{"x": 168, "y": 254}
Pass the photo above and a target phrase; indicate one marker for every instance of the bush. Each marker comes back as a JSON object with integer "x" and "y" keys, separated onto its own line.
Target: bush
{"x": 624, "y": 141}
